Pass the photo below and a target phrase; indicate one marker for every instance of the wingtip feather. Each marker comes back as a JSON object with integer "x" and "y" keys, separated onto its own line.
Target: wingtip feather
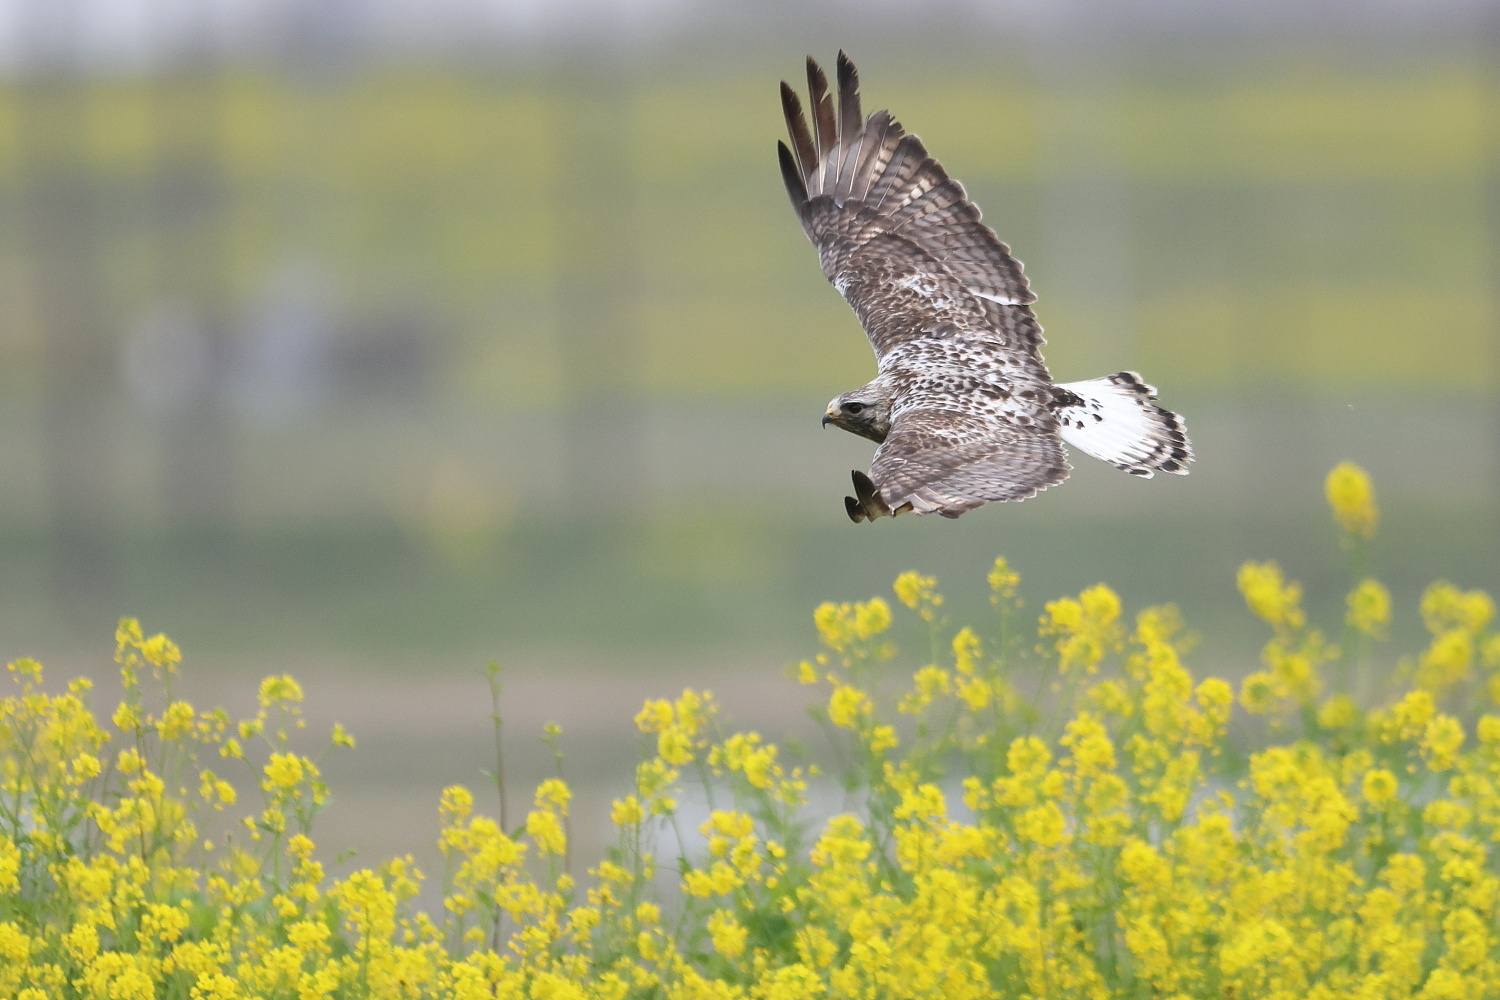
{"x": 795, "y": 188}
{"x": 850, "y": 123}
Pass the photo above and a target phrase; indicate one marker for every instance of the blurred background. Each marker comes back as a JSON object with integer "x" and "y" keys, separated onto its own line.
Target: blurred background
{"x": 374, "y": 341}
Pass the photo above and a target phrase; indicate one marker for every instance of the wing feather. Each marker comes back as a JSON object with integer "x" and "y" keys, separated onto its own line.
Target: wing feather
{"x": 874, "y": 154}
{"x": 880, "y": 209}
{"x": 796, "y": 126}
{"x": 851, "y": 135}
{"x": 825, "y": 137}
{"x": 795, "y": 188}
{"x": 948, "y": 461}
{"x": 906, "y": 160}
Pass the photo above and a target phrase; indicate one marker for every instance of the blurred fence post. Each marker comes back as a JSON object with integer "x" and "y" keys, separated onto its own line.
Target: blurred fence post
{"x": 596, "y": 280}
{"x": 61, "y": 206}
{"x": 189, "y": 218}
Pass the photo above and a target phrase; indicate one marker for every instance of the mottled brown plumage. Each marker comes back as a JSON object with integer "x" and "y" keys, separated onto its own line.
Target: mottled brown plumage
{"x": 963, "y": 406}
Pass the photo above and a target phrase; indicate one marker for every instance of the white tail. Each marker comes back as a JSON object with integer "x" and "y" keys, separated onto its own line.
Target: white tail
{"x": 1116, "y": 421}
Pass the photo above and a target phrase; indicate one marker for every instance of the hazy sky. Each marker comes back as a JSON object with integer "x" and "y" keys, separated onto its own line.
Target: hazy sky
{"x": 123, "y": 33}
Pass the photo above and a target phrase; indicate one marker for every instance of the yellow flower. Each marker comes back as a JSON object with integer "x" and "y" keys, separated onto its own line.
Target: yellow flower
{"x": 279, "y": 690}
{"x": 1369, "y": 608}
{"x": 1379, "y": 786}
{"x": 1258, "y": 692}
{"x": 1446, "y": 660}
{"x": 919, "y": 593}
{"x": 927, "y": 683}
{"x": 85, "y": 766}
{"x": 82, "y": 942}
{"x": 1441, "y": 740}
{"x": 1272, "y": 599}
{"x": 924, "y": 801}
{"x": 693, "y": 709}
{"x": 718, "y": 880}
{"x": 1445, "y": 607}
{"x": 846, "y": 628}
{"x": 554, "y": 792}
{"x": 1093, "y": 752}
{"x": 161, "y": 652}
{"x": 745, "y": 753}
{"x": 1109, "y": 849}
{"x": 1003, "y": 581}
{"x": 967, "y": 651}
{"x": 727, "y": 934}
{"x": 1143, "y": 867}
{"x": 1044, "y": 824}
{"x": 654, "y": 716}
{"x": 871, "y": 617}
{"x": 1255, "y": 942}
{"x": 163, "y": 923}
{"x": 545, "y": 830}
{"x": 976, "y": 692}
{"x": 1338, "y": 712}
{"x": 847, "y": 706}
{"x": 176, "y": 720}
{"x": 126, "y": 717}
{"x": 10, "y": 865}
{"x": 215, "y": 790}
{"x": 674, "y": 746}
{"x": 455, "y": 804}
{"x": 730, "y": 823}
{"x": 1294, "y": 674}
{"x": 285, "y": 770}
{"x": 1086, "y": 627}
{"x": 626, "y": 811}
{"x": 1352, "y": 499}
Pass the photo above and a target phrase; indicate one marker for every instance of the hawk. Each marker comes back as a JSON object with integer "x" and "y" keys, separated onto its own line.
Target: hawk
{"x": 962, "y": 405}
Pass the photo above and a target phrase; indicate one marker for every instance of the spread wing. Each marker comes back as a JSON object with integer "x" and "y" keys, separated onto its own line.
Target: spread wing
{"x": 895, "y": 234}
{"x": 950, "y": 461}
{"x": 944, "y": 304}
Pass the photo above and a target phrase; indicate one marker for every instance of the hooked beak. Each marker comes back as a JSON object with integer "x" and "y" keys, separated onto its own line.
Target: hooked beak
{"x": 828, "y": 418}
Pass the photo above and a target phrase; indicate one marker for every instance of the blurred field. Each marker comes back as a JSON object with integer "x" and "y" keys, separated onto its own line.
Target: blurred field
{"x": 372, "y": 371}
{"x": 1285, "y": 220}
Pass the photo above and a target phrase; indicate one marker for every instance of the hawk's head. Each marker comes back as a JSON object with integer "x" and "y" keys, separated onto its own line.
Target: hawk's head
{"x": 865, "y": 411}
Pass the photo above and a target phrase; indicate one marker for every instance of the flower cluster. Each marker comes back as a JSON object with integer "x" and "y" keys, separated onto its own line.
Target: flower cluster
{"x": 1131, "y": 838}
{"x": 1352, "y": 499}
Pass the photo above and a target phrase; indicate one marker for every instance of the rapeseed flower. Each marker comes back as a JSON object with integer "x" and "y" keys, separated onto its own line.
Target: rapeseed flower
{"x": 1086, "y": 627}
{"x": 1369, "y": 608}
{"x": 1106, "y": 845}
{"x": 919, "y": 593}
{"x": 1003, "y": 582}
{"x": 1273, "y": 599}
{"x": 1352, "y": 499}
{"x": 1378, "y": 786}
{"x": 848, "y": 706}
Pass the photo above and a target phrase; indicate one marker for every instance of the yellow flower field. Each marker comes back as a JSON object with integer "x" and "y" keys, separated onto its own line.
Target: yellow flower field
{"x": 1030, "y": 808}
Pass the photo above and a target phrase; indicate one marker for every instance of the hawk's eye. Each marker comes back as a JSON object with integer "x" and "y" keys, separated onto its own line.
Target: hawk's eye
{"x": 854, "y": 409}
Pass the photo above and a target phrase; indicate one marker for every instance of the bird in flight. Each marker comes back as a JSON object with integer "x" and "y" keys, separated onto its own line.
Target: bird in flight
{"x": 962, "y": 405}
